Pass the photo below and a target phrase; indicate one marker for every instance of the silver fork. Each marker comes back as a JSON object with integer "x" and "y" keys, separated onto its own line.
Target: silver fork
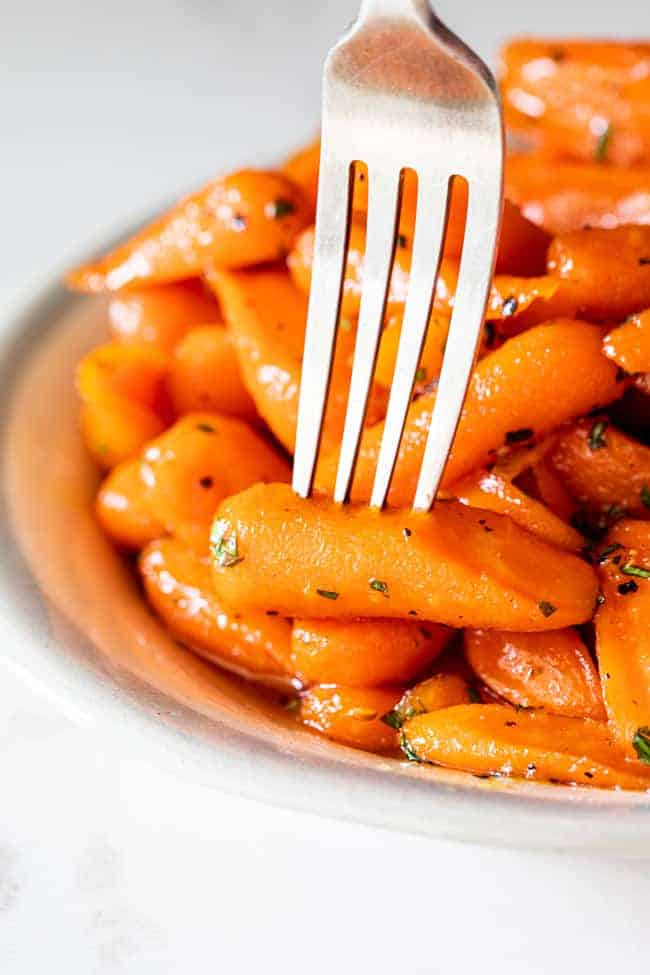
{"x": 400, "y": 91}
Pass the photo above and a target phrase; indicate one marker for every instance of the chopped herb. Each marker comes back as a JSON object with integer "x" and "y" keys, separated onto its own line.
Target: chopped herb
{"x": 511, "y": 724}
{"x": 393, "y": 719}
{"x": 223, "y": 544}
{"x": 547, "y": 609}
{"x": 626, "y": 588}
{"x": 379, "y": 586}
{"x": 413, "y": 612}
{"x": 615, "y": 512}
{"x": 362, "y": 714}
{"x": 558, "y": 54}
{"x": 519, "y": 436}
{"x": 405, "y": 745}
{"x": 509, "y": 307}
{"x": 607, "y": 551}
{"x": 644, "y": 261}
{"x": 597, "y": 435}
{"x": 292, "y": 704}
{"x": 641, "y": 742}
{"x": 645, "y": 496}
{"x": 421, "y": 375}
{"x": 346, "y": 325}
{"x": 327, "y": 594}
{"x": 280, "y": 208}
{"x": 602, "y": 145}
{"x": 402, "y": 240}
{"x": 205, "y": 428}
{"x": 406, "y": 532}
{"x": 206, "y": 482}
{"x": 473, "y": 695}
{"x": 635, "y": 570}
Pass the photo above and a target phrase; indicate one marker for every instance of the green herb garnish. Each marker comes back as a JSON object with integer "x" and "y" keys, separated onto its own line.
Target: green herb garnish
{"x": 379, "y": 586}
{"x": 641, "y": 742}
{"x": 645, "y": 496}
{"x": 405, "y": 745}
{"x": 402, "y": 240}
{"x": 328, "y": 594}
{"x": 547, "y": 609}
{"x": 635, "y": 570}
{"x": 421, "y": 375}
{"x": 597, "y": 435}
{"x": 223, "y": 544}
{"x": 602, "y": 145}
{"x": 608, "y": 550}
{"x": 473, "y": 695}
{"x": 393, "y": 719}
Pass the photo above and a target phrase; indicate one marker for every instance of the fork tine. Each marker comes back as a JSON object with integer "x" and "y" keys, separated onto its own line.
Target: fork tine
{"x": 430, "y": 223}
{"x": 384, "y": 188}
{"x": 472, "y": 291}
{"x": 330, "y": 247}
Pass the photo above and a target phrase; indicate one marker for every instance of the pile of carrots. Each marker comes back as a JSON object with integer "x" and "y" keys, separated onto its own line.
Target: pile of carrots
{"x": 506, "y": 632}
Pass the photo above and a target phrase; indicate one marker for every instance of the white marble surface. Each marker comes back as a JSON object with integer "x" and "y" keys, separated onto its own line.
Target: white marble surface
{"x": 110, "y": 864}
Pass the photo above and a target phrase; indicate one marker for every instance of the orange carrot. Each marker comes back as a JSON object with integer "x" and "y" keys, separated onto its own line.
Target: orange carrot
{"x": 237, "y": 221}
{"x": 202, "y": 459}
{"x": 494, "y": 492}
{"x": 629, "y": 344}
{"x": 162, "y": 315}
{"x": 623, "y": 634}
{"x": 350, "y": 715}
{"x": 553, "y": 671}
{"x": 455, "y": 565}
{"x": 124, "y": 510}
{"x": 363, "y": 653}
{"x": 508, "y": 401}
{"x": 443, "y": 690}
{"x": 564, "y": 196}
{"x": 581, "y": 98}
{"x": 124, "y": 400}
{"x": 204, "y": 375}
{"x": 266, "y": 316}
{"x": 601, "y": 466}
{"x": 179, "y": 587}
{"x": 432, "y": 352}
{"x": 495, "y": 740}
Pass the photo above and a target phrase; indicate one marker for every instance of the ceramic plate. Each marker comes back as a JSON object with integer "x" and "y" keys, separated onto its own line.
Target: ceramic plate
{"x": 73, "y": 620}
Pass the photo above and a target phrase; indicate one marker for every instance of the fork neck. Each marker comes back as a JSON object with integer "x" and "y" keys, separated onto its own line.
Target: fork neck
{"x": 412, "y": 9}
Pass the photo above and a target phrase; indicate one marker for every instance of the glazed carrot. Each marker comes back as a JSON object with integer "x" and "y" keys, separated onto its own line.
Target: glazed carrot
{"x": 266, "y": 316}
{"x": 586, "y": 99}
{"x": 204, "y": 375}
{"x": 124, "y": 510}
{"x": 623, "y": 634}
{"x": 350, "y": 715}
{"x": 629, "y": 344}
{"x": 522, "y": 245}
{"x": 549, "y": 488}
{"x": 440, "y": 691}
{"x": 509, "y": 295}
{"x": 236, "y": 221}
{"x": 124, "y": 400}
{"x": 179, "y": 587}
{"x": 509, "y": 400}
{"x": 563, "y": 196}
{"x": 611, "y": 267}
{"x": 495, "y": 740}
{"x": 601, "y": 466}
{"x": 163, "y": 314}
{"x": 363, "y": 653}
{"x": 553, "y": 671}
{"x": 202, "y": 459}
{"x": 432, "y": 352}
{"x": 302, "y": 169}
{"x": 455, "y": 565}
{"x": 494, "y": 492}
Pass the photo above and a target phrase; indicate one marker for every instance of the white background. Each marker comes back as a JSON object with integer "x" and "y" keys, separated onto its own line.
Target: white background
{"x": 106, "y": 863}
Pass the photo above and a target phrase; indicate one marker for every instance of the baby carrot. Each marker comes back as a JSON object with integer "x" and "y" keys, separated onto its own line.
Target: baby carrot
{"x": 204, "y": 375}
{"x": 629, "y": 344}
{"x": 350, "y": 715}
{"x": 123, "y": 507}
{"x": 163, "y": 314}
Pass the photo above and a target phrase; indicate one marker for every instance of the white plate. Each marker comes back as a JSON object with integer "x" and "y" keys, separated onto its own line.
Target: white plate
{"x": 73, "y": 620}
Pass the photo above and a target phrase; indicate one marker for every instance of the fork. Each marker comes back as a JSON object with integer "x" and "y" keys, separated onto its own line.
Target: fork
{"x": 400, "y": 92}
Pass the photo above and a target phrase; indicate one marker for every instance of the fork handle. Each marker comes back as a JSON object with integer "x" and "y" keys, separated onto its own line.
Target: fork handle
{"x": 418, "y": 9}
